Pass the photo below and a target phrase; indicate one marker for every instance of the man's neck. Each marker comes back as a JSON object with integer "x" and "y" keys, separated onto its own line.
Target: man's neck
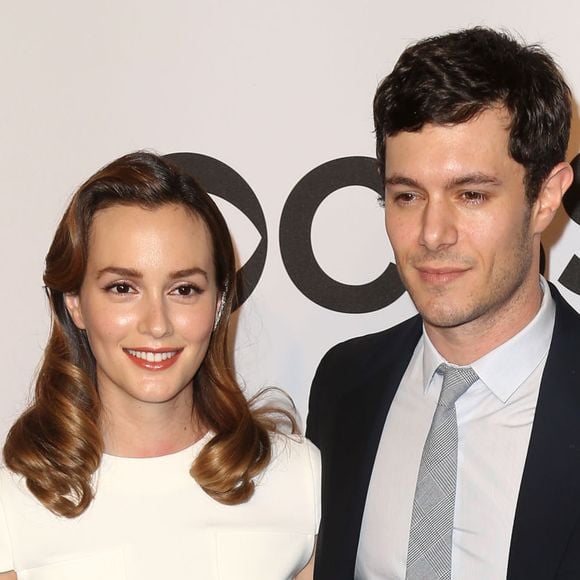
{"x": 466, "y": 343}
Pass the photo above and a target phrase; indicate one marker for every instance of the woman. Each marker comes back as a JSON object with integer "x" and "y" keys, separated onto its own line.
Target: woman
{"x": 139, "y": 457}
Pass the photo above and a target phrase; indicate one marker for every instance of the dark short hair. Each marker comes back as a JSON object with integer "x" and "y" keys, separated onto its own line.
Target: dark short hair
{"x": 450, "y": 79}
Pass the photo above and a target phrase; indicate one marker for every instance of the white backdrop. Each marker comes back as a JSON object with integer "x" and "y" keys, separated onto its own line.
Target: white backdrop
{"x": 271, "y": 88}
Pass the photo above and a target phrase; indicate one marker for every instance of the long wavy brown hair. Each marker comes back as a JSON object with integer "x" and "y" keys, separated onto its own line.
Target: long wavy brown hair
{"x": 57, "y": 444}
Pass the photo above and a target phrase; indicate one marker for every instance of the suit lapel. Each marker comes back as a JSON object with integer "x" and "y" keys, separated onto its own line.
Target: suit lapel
{"x": 549, "y": 499}
{"x": 361, "y": 416}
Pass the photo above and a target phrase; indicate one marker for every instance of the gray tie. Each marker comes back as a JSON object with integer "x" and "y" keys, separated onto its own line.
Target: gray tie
{"x": 430, "y": 539}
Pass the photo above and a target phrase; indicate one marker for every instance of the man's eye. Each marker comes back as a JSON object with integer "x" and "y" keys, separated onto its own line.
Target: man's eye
{"x": 405, "y": 197}
{"x": 474, "y": 196}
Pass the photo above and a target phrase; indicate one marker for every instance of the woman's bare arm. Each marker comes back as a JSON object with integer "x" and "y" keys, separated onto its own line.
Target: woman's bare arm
{"x": 307, "y": 573}
{"x": 8, "y": 576}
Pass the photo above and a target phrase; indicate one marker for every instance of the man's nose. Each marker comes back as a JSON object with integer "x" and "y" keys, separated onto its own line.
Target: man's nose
{"x": 438, "y": 227}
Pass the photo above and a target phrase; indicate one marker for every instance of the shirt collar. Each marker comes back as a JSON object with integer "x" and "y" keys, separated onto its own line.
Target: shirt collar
{"x": 506, "y": 367}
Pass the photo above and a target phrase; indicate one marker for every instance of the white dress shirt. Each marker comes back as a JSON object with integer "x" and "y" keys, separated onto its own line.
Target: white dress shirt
{"x": 494, "y": 420}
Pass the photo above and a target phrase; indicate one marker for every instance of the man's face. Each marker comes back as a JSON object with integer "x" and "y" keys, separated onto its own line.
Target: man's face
{"x": 465, "y": 239}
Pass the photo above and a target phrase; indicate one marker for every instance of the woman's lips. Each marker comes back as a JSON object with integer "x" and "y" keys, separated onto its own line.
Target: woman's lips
{"x": 153, "y": 359}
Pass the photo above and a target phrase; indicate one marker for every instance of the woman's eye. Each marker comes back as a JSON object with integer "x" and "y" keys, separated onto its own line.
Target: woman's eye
{"x": 120, "y": 288}
{"x": 186, "y": 290}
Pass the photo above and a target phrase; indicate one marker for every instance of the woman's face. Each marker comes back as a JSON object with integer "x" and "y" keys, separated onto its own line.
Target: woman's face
{"x": 148, "y": 304}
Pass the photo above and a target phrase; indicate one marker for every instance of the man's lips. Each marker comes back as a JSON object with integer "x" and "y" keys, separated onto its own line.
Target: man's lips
{"x": 442, "y": 275}
{"x": 153, "y": 358}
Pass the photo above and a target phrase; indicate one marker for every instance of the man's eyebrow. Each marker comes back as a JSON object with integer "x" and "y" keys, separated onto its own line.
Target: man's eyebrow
{"x": 476, "y": 178}
{"x": 132, "y": 273}
{"x": 397, "y": 179}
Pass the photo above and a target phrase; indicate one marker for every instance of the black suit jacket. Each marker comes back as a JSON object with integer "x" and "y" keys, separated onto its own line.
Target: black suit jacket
{"x": 349, "y": 401}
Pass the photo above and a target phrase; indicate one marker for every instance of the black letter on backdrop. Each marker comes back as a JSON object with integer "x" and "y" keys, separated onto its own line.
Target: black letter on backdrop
{"x": 221, "y": 180}
{"x": 296, "y": 244}
{"x": 570, "y": 277}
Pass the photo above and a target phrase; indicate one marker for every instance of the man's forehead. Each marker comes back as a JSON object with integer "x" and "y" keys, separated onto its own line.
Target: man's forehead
{"x": 499, "y": 112}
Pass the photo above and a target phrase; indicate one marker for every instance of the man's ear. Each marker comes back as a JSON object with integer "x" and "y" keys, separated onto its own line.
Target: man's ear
{"x": 550, "y": 196}
{"x": 73, "y": 305}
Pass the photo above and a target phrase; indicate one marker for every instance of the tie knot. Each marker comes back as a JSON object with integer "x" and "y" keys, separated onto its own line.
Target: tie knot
{"x": 456, "y": 380}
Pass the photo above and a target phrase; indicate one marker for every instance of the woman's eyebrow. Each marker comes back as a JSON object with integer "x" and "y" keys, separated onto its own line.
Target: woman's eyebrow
{"x": 125, "y": 272}
{"x": 132, "y": 273}
{"x": 188, "y": 272}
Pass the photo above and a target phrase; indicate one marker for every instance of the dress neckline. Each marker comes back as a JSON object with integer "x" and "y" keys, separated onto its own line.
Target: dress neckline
{"x": 194, "y": 448}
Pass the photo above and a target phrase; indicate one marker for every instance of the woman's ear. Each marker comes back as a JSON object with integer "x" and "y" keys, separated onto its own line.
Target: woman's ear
{"x": 73, "y": 305}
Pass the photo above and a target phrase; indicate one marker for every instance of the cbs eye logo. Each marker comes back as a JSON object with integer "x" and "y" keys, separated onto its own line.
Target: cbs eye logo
{"x": 296, "y": 226}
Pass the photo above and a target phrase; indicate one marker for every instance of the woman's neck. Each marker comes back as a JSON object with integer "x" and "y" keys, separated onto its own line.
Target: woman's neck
{"x": 149, "y": 430}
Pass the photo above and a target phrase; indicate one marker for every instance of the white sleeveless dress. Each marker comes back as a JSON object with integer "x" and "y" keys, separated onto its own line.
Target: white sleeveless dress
{"x": 151, "y": 521}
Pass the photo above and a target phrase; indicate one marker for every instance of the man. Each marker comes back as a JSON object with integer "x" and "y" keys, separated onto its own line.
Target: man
{"x": 451, "y": 442}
